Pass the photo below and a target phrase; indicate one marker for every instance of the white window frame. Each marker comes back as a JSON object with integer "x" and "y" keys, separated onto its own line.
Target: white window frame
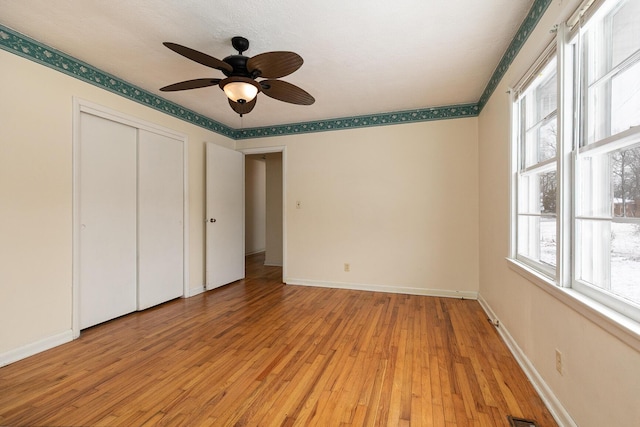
{"x": 518, "y": 169}
{"x": 606, "y": 144}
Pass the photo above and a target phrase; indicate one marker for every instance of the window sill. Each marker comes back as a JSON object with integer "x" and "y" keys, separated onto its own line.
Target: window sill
{"x": 625, "y": 329}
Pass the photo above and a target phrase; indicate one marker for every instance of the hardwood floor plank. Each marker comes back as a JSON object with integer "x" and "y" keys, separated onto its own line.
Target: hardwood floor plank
{"x": 260, "y": 353}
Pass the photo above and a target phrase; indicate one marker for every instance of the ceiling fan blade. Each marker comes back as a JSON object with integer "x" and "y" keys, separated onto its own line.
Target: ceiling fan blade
{"x": 244, "y": 108}
{"x": 273, "y": 65}
{"x": 190, "y": 84}
{"x": 199, "y": 57}
{"x": 283, "y": 91}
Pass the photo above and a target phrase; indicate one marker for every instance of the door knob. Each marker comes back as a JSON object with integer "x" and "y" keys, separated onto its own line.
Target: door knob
{"x": 212, "y": 220}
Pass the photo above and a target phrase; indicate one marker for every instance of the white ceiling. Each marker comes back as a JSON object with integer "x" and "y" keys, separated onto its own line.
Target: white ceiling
{"x": 361, "y": 57}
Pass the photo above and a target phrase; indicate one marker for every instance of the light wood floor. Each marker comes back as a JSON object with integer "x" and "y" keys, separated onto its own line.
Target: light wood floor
{"x": 258, "y": 352}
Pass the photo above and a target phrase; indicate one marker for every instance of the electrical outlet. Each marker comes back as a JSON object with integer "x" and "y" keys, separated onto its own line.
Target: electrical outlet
{"x": 347, "y": 267}
{"x": 559, "y": 361}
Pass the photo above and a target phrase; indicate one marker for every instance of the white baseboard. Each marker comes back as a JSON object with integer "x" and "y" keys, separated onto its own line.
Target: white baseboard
{"x": 35, "y": 347}
{"x": 382, "y": 288}
{"x": 554, "y": 405}
{"x": 254, "y": 252}
{"x": 273, "y": 264}
{"x": 195, "y": 291}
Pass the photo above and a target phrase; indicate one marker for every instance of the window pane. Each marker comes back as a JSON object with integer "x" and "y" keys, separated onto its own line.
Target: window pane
{"x": 537, "y": 193}
{"x": 548, "y": 240}
{"x": 595, "y": 45}
{"x": 625, "y": 176}
{"x": 626, "y": 31}
{"x": 540, "y": 143}
{"x": 548, "y": 139}
{"x": 597, "y": 108}
{"x": 537, "y": 230}
{"x": 537, "y": 238}
{"x": 593, "y": 247}
{"x": 547, "y": 93}
{"x": 625, "y": 261}
{"x": 610, "y": 184}
{"x": 528, "y": 234}
{"x": 612, "y": 40}
{"x": 527, "y": 189}
{"x": 539, "y": 116}
{"x": 548, "y": 192}
{"x": 594, "y": 198}
{"x": 609, "y": 257}
{"x": 613, "y": 92}
{"x": 625, "y": 99}
{"x": 614, "y": 104}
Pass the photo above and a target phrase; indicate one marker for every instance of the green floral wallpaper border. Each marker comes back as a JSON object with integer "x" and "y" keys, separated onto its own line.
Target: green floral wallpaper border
{"x": 436, "y": 113}
{"x": 26, "y": 47}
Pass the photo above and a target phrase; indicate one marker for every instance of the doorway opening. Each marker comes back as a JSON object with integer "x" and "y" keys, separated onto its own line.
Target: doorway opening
{"x": 264, "y": 208}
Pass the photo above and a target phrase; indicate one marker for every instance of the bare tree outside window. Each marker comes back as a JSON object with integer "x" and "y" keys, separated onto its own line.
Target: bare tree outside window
{"x": 625, "y": 169}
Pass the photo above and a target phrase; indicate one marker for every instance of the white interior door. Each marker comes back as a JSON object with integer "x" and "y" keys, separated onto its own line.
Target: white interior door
{"x": 225, "y": 216}
{"x": 107, "y": 213}
{"x": 160, "y": 219}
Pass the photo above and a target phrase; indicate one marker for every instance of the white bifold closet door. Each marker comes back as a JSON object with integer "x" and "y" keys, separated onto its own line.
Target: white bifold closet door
{"x": 160, "y": 216}
{"x": 131, "y": 245}
{"x": 108, "y": 199}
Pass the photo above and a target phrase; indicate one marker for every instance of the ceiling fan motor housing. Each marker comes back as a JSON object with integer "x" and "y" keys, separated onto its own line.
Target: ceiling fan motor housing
{"x": 239, "y": 64}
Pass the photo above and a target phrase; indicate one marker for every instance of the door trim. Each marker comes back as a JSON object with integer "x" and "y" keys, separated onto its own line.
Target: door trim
{"x": 277, "y": 149}
{"x": 88, "y": 107}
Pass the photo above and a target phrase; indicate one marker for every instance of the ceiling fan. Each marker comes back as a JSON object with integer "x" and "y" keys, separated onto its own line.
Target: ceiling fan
{"x": 241, "y": 86}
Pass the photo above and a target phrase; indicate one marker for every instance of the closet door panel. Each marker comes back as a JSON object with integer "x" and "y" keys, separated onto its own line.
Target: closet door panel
{"x": 160, "y": 219}
{"x": 107, "y": 211}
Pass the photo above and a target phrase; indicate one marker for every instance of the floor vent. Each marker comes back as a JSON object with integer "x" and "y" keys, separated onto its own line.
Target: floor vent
{"x": 521, "y": 422}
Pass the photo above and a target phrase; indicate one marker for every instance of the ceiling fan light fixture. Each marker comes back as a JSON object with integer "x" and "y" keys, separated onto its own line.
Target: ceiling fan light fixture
{"x": 240, "y": 89}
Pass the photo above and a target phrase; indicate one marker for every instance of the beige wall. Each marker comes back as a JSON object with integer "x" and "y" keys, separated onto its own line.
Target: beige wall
{"x": 601, "y": 382}
{"x": 398, "y": 203}
{"x": 255, "y": 193}
{"x": 36, "y": 112}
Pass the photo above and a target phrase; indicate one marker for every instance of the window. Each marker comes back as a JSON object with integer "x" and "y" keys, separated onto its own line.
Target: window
{"x": 537, "y": 118}
{"x": 607, "y": 170}
{"x": 585, "y": 121}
